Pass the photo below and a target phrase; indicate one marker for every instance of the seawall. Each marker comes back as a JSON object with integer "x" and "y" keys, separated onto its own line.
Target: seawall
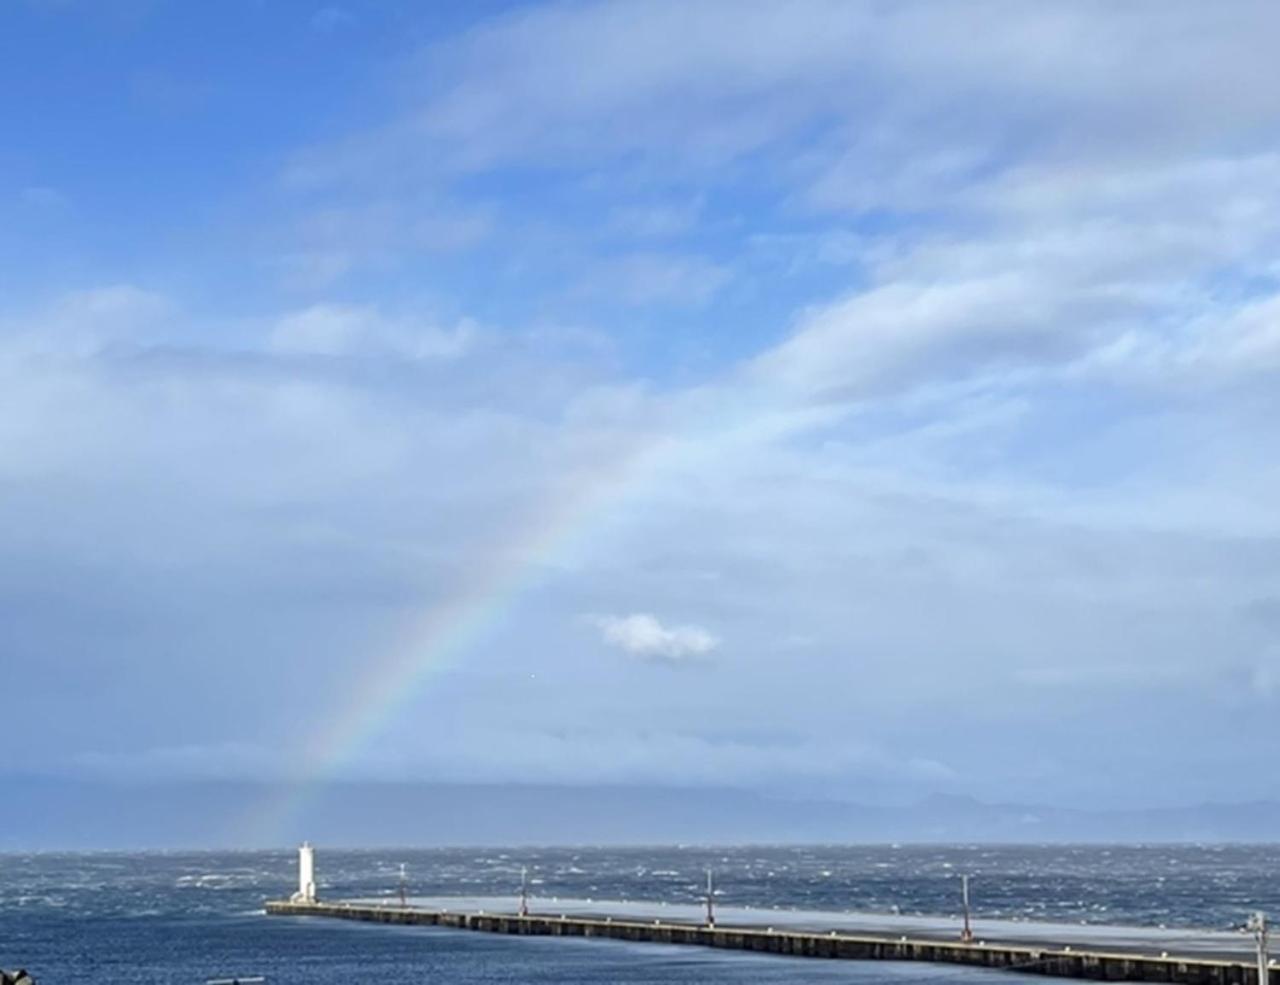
{"x": 1062, "y": 962}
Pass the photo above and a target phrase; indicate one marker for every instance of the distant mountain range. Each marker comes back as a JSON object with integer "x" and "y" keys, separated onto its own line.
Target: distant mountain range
{"x": 44, "y": 813}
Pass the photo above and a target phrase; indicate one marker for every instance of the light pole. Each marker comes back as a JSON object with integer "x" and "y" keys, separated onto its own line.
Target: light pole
{"x": 966, "y": 934}
{"x": 524, "y": 890}
{"x": 1258, "y": 924}
{"x": 711, "y": 896}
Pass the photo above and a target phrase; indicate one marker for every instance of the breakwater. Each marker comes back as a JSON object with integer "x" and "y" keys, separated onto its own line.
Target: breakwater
{"x": 1044, "y": 958}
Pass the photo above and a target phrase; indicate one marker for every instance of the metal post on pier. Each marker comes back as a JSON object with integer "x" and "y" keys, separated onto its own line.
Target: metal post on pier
{"x": 1258, "y": 924}
{"x": 966, "y": 934}
{"x": 404, "y": 886}
{"x": 711, "y": 901}
{"x": 524, "y": 890}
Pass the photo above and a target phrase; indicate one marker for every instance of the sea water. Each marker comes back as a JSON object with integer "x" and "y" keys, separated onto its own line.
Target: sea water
{"x": 188, "y": 917}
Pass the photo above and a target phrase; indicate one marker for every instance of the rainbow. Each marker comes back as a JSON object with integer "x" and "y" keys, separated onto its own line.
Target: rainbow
{"x": 448, "y": 630}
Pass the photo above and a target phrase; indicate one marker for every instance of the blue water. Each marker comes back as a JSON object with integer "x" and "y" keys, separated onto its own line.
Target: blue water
{"x": 186, "y": 917}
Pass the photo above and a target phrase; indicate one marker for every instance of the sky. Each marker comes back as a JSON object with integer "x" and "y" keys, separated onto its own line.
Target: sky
{"x": 854, "y": 400}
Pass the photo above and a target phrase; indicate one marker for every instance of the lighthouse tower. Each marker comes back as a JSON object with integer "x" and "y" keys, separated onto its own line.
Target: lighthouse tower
{"x": 306, "y": 875}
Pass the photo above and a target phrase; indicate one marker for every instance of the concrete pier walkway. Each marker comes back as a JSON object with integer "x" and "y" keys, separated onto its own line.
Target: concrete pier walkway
{"x": 1063, "y": 950}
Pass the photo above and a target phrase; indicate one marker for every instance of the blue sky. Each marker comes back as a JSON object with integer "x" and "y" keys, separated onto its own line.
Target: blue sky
{"x": 901, "y": 380}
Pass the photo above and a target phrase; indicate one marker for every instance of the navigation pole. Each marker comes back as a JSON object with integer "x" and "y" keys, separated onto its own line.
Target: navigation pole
{"x": 711, "y": 897}
{"x": 966, "y": 934}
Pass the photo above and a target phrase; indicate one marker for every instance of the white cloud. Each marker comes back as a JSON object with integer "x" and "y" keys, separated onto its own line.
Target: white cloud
{"x": 89, "y": 320}
{"x": 850, "y": 348}
{"x": 1069, "y": 161}
{"x": 1105, "y": 270}
{"x": 585, "y": 82}
{"x": 642, "y": 635}
{"x": 355, "y": 330}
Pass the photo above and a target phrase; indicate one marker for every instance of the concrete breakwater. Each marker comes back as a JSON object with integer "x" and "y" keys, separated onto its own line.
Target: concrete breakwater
{"x": 1064, "y": 961}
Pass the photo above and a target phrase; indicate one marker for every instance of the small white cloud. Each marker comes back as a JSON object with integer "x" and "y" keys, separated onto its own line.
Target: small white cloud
{"x": 352, "y": 330}
{"x": 642, "y": 635}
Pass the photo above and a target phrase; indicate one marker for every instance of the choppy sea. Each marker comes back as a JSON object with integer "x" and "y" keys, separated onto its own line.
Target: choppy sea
{"x": 188, "y": 917}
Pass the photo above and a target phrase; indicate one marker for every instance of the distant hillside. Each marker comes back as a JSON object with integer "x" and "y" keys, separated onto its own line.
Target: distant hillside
{"x": 56, "y": 813}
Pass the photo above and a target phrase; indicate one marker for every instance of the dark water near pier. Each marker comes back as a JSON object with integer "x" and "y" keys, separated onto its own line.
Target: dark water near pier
{"x": 186, "y": 917}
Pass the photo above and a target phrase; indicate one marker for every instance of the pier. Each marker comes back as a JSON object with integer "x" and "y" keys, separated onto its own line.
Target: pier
{"x": 1107, "y": 960}
{"x": 1094, "y": 952}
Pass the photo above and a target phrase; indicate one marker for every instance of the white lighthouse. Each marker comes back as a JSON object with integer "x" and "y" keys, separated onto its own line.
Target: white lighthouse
{"x": 306, "y": 874}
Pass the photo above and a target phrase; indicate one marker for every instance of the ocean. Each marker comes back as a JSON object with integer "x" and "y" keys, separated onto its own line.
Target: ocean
{"x": 179, "y": 917}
